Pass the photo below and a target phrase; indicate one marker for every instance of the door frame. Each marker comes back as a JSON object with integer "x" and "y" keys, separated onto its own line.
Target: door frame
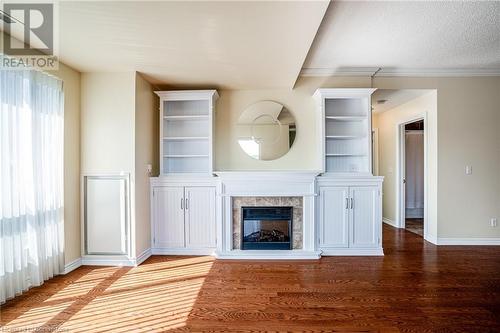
{"x": 401, "y": 170}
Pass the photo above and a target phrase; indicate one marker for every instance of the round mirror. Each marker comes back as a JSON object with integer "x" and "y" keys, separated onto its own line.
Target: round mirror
{"x": 266, "y": 130}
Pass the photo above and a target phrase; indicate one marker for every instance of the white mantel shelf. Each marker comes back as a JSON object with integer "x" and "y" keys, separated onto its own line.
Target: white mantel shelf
{"x": 274, "y": 183}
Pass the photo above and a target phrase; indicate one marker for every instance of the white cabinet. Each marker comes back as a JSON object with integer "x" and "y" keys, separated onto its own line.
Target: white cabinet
{"x": 183, "y": 220}
{"x": 349, "y": 205}
{"x": 186, "y": 130}
{"x": 200, "y": 217}
{"x": 168, "y": 203}
{"x": 350, "y": 219}
{"x": 363, "y": 221}
{"x": 334, "y": 217}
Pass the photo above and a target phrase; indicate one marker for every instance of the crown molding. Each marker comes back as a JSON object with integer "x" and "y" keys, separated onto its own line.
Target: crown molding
{"x": 387, "y": 72}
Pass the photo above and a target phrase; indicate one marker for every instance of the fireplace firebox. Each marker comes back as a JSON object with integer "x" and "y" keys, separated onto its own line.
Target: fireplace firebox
{"x": 266, "y": 228}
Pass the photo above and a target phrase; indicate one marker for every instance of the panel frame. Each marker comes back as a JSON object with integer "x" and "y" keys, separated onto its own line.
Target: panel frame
{"x": 84, "y": 232}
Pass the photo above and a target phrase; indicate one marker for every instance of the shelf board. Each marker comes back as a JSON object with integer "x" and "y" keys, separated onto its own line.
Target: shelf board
{"x": 184, "y": 138}
{"x": 344, "y": 137}
{"x": 344, "y": 155}
{"x": 346, "y": 118}
{"x": 193, "y": 117}
{"x": 183, "y": 156}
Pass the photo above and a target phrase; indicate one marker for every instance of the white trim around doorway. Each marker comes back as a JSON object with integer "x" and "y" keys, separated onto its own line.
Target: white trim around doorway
{"x": 400, "y": 160}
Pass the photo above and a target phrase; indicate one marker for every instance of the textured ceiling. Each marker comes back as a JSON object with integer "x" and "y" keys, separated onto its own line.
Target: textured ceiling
{"x": 423, "y": 36}
{"x": 394, "y": 98}
{"x": 229, "y": 44}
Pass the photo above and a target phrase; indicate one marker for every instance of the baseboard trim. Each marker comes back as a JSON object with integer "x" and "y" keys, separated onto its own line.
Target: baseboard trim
{"x": 352, "y": 252}
{"x": 143, "y": 256}
{"x": 98, "y": 260}
{"x": 468, "y": 241}
{"x": 102, "y": 260}
{"x": 390, "y": 222}
{"x": 71, "y": 266}
{"x": 269, "y": 255}
{"x": 431, "y": 239}
{"x": 182, "y": 252}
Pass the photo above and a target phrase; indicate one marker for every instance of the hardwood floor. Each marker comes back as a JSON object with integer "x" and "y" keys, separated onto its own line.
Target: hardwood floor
{"x": 416, "y": 287}
{"x": 415, "y": 225}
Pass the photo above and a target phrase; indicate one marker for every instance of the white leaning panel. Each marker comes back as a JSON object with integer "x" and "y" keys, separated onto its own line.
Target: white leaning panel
{"x": 105, "y": 215}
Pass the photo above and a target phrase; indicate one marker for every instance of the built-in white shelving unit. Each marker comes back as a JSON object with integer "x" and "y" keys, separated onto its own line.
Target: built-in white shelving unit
{"x": 345, "y": 124}
{"x": 186, "y": 129}
{"x": 349, "y": 201}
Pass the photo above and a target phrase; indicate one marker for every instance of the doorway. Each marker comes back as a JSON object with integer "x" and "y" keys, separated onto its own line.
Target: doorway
{"x": 412, "y": 170}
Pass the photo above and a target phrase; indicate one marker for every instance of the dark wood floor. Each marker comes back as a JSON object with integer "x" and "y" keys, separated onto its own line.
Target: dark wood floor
{"x": 416, "y": 287}
{"x": 415, "y": 225}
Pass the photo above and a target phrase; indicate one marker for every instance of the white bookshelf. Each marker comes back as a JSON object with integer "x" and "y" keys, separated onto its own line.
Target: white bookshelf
{"x": 345, "y": 124}
{"x": 186, "y": 130}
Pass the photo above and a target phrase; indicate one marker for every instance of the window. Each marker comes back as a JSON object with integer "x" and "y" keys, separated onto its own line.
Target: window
{"x": 31, "y": 180}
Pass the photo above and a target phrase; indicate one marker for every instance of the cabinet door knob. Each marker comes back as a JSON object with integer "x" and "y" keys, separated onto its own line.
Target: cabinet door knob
{"x": 352, "y": 203}
{"x": 187, "y": 202}
{"x": 346, "y": 203}
{"x": 182, "y": 203}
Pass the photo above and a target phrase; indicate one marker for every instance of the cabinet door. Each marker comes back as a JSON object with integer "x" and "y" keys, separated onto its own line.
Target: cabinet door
{"x": 168, "y": 217}
{"x": 334, "y": 217}
{"x": 200, "y": 217}
{"x": 364, "y": 229}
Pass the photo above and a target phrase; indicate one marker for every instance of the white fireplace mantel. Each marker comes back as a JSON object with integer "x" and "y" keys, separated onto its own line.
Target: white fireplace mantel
{"x": 270, "y": 184}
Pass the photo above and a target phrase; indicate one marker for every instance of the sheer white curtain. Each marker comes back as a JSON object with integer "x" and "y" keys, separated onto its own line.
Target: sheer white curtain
{"x": 31, "y": 180}
{"x": 414, "y": 149}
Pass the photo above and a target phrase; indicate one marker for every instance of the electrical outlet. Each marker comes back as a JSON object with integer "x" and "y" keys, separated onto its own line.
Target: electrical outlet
{"x": 468, "y": 170}
{"x": 493, "y": 222}
{"x": 149, "y": 168}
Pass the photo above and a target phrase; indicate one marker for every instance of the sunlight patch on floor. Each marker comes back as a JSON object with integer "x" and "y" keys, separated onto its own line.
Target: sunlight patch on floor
{"x": 154, "y": 297}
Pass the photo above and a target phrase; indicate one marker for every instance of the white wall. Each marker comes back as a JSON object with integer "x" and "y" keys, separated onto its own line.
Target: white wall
{"x": 468, "y": 118}
{"x": 387, "y": 123}
{"x": 229, "y": 155}
{"x": 108, "y": 122}
{"x": 120, "y": 135}
{"x": 71, "y": 86}
{"x": 108, "y": 129}
{"x": 146, "y": 152}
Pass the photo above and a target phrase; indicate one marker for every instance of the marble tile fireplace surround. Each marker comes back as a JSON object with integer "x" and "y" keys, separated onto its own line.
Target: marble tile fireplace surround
{"x": 294, "y": 202}
{"x": 267, "y": 189}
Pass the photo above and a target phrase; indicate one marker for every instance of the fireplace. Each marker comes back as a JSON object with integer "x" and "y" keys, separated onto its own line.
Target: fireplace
{"x": 266, "y": 228}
